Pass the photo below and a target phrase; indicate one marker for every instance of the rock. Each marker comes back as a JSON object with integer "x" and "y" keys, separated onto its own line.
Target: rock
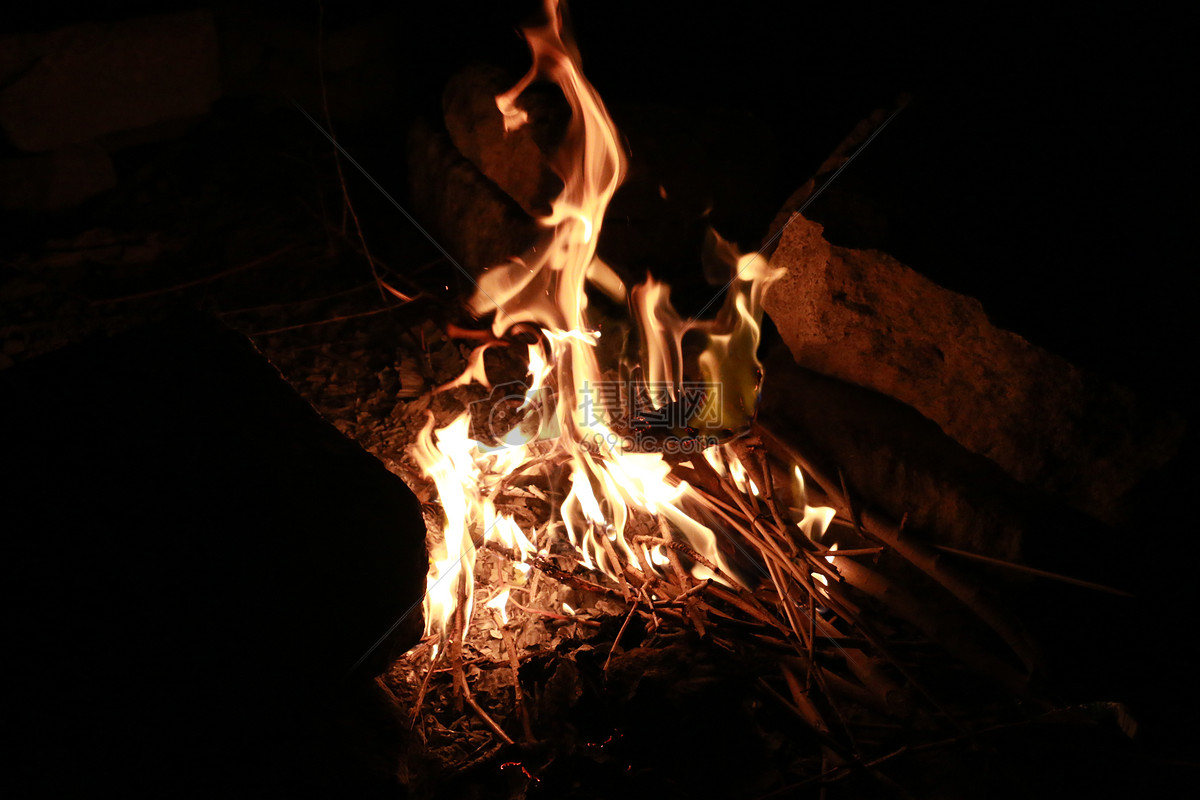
{"x": 470, "y": 216}
{"x": 78, "y": 83}
{"x": 482, "y": 187}
{"x": 865, "y": 318}
{"x": 56, "y": 181}
{"x": 899, "y": 463}
{"x": 514, "y": 160}
{"x": 195, "y": 563}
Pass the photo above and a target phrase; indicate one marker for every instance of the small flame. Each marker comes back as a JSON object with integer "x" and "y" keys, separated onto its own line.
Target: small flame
{"x": 506, "y": 531}
{"x": 816, "y": 519}
{"x": 499, "y": 603}
{"x": 725, "y": 462}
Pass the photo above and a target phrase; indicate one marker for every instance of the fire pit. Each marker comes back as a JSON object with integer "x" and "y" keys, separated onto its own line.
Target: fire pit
{"x": 608, "y": 520}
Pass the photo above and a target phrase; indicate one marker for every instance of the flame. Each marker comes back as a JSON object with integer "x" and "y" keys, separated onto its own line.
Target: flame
{"x": 817, "y": 519}
{"x": 500, "y": 604}
{"x": 566, "y": 420}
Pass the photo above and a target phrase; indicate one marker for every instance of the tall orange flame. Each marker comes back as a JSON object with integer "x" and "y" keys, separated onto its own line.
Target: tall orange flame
{"x": 573, "y": 425}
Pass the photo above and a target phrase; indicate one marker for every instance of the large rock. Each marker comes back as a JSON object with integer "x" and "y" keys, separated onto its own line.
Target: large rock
{"x": 901, "y": 464}
{"x": 470, "y": 216}
{"x": 56, "y": 181}
{"x": 513, "y": 160}
{"x": 194, "y": 563}
{"x": 78, "y": 83}
{"x": 865, "y": 318}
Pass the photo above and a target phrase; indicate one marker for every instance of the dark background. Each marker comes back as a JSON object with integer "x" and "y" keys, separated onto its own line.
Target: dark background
{"x": 1044, "y": 165}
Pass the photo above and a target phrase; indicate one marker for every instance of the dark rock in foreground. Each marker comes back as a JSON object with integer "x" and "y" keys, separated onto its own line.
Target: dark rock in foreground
{"x": 195, "y": 562}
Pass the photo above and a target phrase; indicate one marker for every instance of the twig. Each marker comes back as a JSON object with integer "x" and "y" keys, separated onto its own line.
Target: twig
{"x": 928, "y": 620}
{"x": 460, "y": 681}
{"x": 812, "y": 631}
{"x": 590, "y": 623}
{"x": 847, "y": 149}
{"x": 1041, "y": 573}
{"x": 850, "y": 503}
{"x": 258, "y": 262}
{"x": 824, "y": 737}
{"x": 768, "y": 482}
{"x": 611, "y": 552}
{"x": 269, "y": 306}
{"x": 920, "y": 556}
{"x": 858, "y": 551}
{"x": 331, "y": 319}
{"x": 650, "y": 602}
{"x": 620, "y": 633}
{"x": 726, "y": 513}
{"x": 802, "y": 701}
{"x": 518, "y": 694}
{"x": 837, "y": 604}
{"x": 690, "y": 552}
{"x": 347, "y": 206}
{"x": 968, "y": 592}
{"x": 749, "y": 606}
{"x": 785, "y": 600}
{"x": 416, "y": 714}
{"x": 689, "y": 607}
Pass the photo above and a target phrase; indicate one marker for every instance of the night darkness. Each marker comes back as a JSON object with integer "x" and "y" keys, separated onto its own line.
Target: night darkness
{"x": 1044, "y": 165}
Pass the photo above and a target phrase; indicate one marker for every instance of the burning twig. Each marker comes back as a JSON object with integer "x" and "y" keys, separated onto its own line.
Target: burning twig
{"x": 920, "y": 556}
{"x": 537, "y": 612}
{"x": 683, "y": 547}
{"x": 768, "y": 486}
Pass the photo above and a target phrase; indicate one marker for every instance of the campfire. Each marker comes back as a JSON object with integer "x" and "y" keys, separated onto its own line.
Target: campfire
{"x": 586, "y": 478}
{"x": 585, "y": 429}
{"x": 597, "y": 482}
